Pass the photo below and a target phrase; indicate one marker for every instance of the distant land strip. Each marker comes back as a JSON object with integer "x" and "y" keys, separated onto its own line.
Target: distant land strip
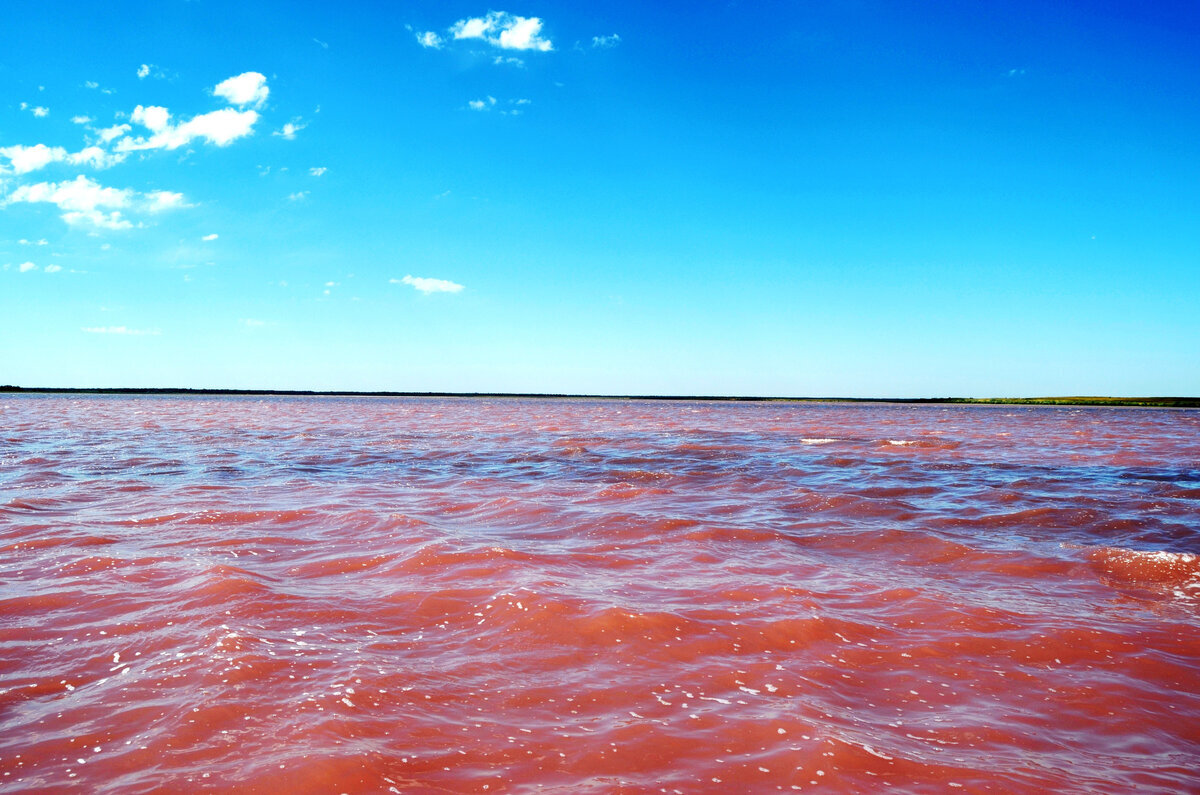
{"x": 1079, "y": 400}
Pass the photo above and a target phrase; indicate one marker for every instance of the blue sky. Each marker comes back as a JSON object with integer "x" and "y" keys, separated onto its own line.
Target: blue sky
{"x": 847, "y": 198}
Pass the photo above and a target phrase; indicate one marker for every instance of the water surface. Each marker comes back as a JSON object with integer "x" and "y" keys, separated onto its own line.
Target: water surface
{"x": 471, "y": 595}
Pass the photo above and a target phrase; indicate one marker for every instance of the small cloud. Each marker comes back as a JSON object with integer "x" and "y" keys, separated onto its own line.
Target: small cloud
{"x": 25, "y": 242}
{"x": 248, "y": 88}
{"x": 160, "y": 200}
{"x": 82, "y": 119}
{"x": 36, "y": 110}
{"x": 299, "y": 195}
{"x": 250, "y": 322}
{"x": 92, "y": 84}
{"x": 121, "y": 330}
{"x": 605, "y": 42}
{"x": 26, "y": 267}
{"x": 209, "y": 238}
{"x": 427, "y": 285}
{"x": 504, "y": 30}
{"x": 116, "y": 131}
{"x": 1015, "y": 72}
{"x": 323, "y": 45}
{"x": 442, "y": 195}
{"x": 143, "y": 71}
{"x": 53, "y": 268}
{"x": 482, "y": 104}
{"x": 317, "y": 171}
{"x": 430, "y": 39}
{"x": 289, "y": 130}
{"x": 501, "y": 60}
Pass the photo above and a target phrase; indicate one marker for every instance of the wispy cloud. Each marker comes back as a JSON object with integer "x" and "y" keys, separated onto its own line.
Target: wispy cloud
{"x": 429, "y": 39}
{"x": 323, "y": 45}
{"x": 82, "y": 119}
{"x": 289, "y": 130}
{"x": 482, "y": 104}
{"x": 299, "y": 195}
{"x": 605, "y": 42}
{"x": 121, "y": 330}
{"x": 317, "y": 171}
{"x": 150, "y": 70}
{"x": 210, "y": 238}
{"x": 427, "y": 285}
{"x": 504, "y": 30}
{"x": 36, "y": 110}
{"x": 25, "y": 242}
{"x": 53, "y": 268}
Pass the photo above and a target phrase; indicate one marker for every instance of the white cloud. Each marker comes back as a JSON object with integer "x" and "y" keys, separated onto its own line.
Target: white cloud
{"x": 81, "y": 194}
{"x": 606, "y": 42}
{"x": 100, "y": 220}
{"x": 429, "y": 39}
{"x": 248, "y": 88}
{"x": 482, "y": 104}
{"x": 504, "y": 30}
{"x": 116, "y": 131}
{"x": 427, "y": 285}
{"x": 324, "y": 46}
{"x": 30, "y": 158}
{"x": 159, "y": 200}
{"x": 317, "y": 171}
{"x": 220, "y": 127}
{"x": 26, "y": 267}
{"x": 95, "y": 157}
{"x": 81, "y": 120}
{"x": 290, "y": 129}
{"x": 133, "y": 332}
{"x": 299, "y": 195}
{"x": 38, "y": 111}
{"x": 211, "y": 237}
{"x": 83, "y": 201}
{"x": 501, "y": 60}
{"x": 154, "y": 118}
{"x": 143, "y": 71}
{"x": 523, "y": 35}
{"x": 25, "y": 242}
{"x": 92, "y": 84}
{"x": 53, "y": 268}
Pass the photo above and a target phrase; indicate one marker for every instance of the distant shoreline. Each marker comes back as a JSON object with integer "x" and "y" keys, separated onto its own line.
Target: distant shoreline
{"x": 1144, "y": 402}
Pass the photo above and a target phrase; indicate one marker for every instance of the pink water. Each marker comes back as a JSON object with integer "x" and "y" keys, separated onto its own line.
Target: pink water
{"x": 574, "y": 596}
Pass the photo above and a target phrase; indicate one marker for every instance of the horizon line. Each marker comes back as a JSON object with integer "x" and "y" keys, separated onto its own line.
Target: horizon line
{"x": 1068, "y": 400}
